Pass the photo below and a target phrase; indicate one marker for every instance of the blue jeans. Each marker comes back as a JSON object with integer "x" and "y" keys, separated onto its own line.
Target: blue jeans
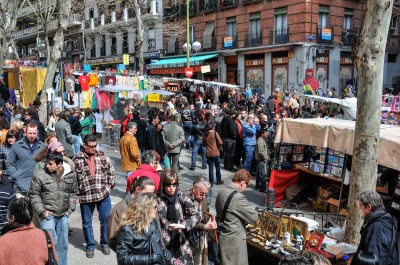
{"x": 197, "y": 145}
{"x": 104, "y": 208}
{"x": 187, "y": 128}
{"x": 249, "y": 155}
{"x": 211, "y": 161}
{"x": 77, "y": 142}
{"x": 58, "y": 226}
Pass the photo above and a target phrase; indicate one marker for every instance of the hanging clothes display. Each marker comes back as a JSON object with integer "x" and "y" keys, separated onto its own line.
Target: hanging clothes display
{"x": 84, "y": 81}
{"x": 94, "y": 99}
{"x": 87, "y": 98}
{"x": 69, "y": 83}
{"x": 94, "y": 80}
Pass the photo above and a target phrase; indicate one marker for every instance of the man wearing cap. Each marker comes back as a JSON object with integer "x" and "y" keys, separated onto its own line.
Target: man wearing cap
{"x": 52, "y": 193}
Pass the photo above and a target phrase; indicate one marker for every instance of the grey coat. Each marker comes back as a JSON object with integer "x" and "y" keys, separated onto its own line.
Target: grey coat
{"x": 63, "y": 131}
{"x": 173, "y": 134}
{"x": 48, "y": 194}
{"x": 21, "y": 162}
{"x": 232, "y": 237}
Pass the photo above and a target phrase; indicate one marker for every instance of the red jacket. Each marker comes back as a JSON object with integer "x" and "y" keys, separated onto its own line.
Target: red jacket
{"x": 24, "y": 246}
{"x": 144, "y": 170}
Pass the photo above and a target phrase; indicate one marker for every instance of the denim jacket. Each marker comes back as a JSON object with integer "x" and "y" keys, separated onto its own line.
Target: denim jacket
{"x": 249, "y": 134}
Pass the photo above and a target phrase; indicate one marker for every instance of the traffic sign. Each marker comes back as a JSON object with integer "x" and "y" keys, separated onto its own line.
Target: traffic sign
{"x": 189, "y": 72}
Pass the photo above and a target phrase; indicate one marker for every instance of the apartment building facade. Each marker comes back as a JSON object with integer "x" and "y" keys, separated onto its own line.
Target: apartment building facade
{"x": 272, "y": 44}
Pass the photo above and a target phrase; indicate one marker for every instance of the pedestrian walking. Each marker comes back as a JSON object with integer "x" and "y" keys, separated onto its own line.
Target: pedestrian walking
{"x": 173, "y": 138}
{"x": 52, "y": 194}
{"x": 213, "y": 143}
{"x": 96, "y": 178}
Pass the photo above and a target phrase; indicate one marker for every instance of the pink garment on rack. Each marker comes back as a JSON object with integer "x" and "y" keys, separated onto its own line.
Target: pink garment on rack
{"x": 105, "y": 100}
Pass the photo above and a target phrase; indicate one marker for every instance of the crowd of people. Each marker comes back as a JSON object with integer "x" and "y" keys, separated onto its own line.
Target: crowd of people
{"x": 48, "y": 170}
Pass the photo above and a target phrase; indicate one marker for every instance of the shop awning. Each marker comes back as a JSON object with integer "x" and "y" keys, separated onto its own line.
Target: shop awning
{"x": 207, "y": 36}
{"x": 181, "y": 61}
{"x": 171, "y": 43}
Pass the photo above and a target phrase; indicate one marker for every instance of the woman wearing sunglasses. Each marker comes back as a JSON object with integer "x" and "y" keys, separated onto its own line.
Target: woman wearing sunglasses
{"x": 177, "y": 216}
{"x": 139, "y": 238}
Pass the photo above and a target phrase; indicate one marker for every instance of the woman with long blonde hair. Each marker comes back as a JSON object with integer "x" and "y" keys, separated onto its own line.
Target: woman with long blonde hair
{"x": 139, "y": 239}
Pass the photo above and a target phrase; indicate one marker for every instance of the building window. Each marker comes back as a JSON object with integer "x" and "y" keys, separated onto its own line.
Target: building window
{"x": 125, "y": 44}
{"x": 348, "y": 19}
{"x": 192, "y": 36}
{"x": 231, "y": 26}
{"x": 323, "y": 16}
{"x": 393, "y": 26}
{"x": 281, "y": 19}
{"x": 255, "y": 24}
{"x": 392, "y": 58}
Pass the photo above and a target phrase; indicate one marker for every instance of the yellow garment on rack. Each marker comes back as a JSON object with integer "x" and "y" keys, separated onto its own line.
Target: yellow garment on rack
{"x": 32, "y": 83}
{"x": 87, "y": 98}
{"x": 94, "y": 80}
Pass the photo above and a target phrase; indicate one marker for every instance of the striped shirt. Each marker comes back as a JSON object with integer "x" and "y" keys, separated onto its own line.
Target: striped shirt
{"x": 7, "y": 195}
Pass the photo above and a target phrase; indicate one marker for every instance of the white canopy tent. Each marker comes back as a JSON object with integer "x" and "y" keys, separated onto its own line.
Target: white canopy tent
{"x": 339, "y": 135}
{"x": 348, "y": 105}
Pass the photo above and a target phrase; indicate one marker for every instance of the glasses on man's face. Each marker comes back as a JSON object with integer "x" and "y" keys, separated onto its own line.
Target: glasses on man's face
{"x": 91, "y": 146}
{"x": 173, "y": 185}
{"x": 202, "y": 194}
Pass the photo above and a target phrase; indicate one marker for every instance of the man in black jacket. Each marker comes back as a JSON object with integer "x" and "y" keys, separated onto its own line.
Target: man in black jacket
{"x": 141, "y": 130}
{"x": 76, "y": 129}
{"x": 229, "y": 134}
{"x": 151, "y": 133}
{"x": 379, "y": 230}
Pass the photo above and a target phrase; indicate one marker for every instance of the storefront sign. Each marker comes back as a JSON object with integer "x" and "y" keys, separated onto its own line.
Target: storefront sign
{"x": 326, "y": 34}
{"x": 173, "y": 87}
{"x": 346, "y": 60}
{"x": 177, "y": 70}
{"x": 280, "y": 60}
{"x": 126, "y": 59}
{"x": 205, "y": 69}
{"x": 322, "y": 59}
{"x": 256, "y": 62}
{"x": 153, "y": 98}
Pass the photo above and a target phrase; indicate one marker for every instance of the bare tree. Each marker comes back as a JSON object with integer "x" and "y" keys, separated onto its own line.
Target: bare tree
{"x": 51, "y": 13}
{"x": 137, "y": 7}
{"x": 9, "y": 11}
{"x": 370, "y": 54}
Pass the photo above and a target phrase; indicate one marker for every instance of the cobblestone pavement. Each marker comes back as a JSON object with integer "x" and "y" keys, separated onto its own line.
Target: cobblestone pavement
{"x": 76, "y": 249}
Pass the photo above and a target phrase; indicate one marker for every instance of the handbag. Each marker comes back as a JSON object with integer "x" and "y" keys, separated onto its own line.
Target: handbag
{"x": 52, "y": 260}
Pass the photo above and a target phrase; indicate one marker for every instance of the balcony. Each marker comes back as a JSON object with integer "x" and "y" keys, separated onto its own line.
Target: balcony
{"x": 226, "y": 4}
{"x": 171, "y": 12}
{"x": 349, "y": 36}
{"x": 192, "y": 10}
{"x": 279, "y": 36}
{"x": 249, "y": 2}
{"x": 229, "y": 42}
{"x": 325, "y": 35}
{"x": 207, "y": 6}
{"x": 253, "y": 39}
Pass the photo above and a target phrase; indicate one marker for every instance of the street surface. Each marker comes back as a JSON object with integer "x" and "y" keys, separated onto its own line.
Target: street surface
{"x": 76, "y": 251}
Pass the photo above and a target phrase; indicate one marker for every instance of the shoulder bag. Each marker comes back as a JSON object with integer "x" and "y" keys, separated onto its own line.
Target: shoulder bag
{"x": 52, "y": 260}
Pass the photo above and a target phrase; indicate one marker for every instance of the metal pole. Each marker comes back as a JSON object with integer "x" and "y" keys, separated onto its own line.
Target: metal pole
{"x": 187, "y": 34}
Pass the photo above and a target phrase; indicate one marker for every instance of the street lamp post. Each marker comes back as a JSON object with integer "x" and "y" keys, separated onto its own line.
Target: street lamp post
{"x": 187, "y": 34}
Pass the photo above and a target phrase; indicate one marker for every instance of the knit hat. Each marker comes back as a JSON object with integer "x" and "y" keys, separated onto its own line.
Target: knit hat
{"x": 54, "y": 145}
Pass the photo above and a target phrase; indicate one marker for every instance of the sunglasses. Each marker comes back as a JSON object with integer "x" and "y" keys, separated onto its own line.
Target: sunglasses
{"x": 173, "y": 185}
{"x": 92, "y": 146}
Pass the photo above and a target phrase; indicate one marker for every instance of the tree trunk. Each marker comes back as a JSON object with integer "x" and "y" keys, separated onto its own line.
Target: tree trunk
{"x": 370, "y": 54}
{"x": 139, "y": 36}
{"x": 64, "y": 11}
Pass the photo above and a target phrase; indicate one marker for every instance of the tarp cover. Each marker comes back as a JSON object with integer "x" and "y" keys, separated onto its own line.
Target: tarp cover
{"x": 339, "y": 135}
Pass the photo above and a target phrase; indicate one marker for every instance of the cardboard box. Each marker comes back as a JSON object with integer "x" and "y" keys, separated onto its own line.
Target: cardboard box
{"x": 334, "y": 204}
{"x": 322, "y": 201}
{"x": 316, "y": 205}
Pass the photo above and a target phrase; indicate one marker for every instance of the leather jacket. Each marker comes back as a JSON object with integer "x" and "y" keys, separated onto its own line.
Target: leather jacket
{"x": 137, "y": 249}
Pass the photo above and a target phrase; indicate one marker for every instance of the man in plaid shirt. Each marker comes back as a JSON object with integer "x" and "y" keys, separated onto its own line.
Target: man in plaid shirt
{"x": 96, "y": 177}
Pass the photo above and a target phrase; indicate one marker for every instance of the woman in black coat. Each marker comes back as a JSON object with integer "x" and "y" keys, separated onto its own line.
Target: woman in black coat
{"x": 139, "y": 238}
